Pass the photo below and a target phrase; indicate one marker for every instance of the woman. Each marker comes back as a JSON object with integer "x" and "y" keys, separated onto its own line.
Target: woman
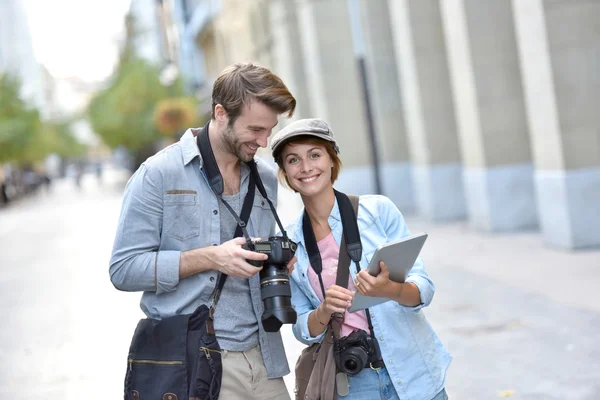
{"x": 414, "y": 360}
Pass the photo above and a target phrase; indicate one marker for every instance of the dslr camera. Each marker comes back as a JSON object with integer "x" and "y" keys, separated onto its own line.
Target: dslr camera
{"x": 274, "y": 281}
{"x": 354, "y": 352}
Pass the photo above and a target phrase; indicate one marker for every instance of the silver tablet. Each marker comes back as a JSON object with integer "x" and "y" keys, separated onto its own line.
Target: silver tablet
{"x": 399, "y": 256}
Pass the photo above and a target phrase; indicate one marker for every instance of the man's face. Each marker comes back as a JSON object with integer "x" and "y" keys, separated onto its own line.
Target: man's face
{"x": 250, "y": 131}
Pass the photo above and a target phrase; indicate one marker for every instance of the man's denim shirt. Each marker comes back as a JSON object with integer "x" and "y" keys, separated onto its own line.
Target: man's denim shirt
{"x": 168, "y": 208}
{"x": 415, "y": 358}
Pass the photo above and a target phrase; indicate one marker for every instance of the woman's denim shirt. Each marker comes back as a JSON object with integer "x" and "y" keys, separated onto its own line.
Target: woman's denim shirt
{"x": 414, "y": 356}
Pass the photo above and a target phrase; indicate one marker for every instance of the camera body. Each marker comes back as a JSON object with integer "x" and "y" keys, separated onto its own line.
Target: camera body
{"x": 275, "y": 281}
{"x": 354, "y": 352}
{"x": 279, "y": 249}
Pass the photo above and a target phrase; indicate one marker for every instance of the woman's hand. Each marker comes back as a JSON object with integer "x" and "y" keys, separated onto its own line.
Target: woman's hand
{"x": 290, "y": 265}
{"x": 337, "y": 300}
{"x": 377, "y": 286}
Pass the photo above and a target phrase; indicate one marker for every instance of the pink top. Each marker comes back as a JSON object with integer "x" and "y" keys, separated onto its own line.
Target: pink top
{"x": 330, "y": 252}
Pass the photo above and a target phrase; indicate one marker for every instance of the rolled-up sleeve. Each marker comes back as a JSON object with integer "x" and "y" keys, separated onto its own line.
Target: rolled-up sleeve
{"x": 303, "y": 308}
{"x": 136, "y": 264}
{"x": 396, "y": 228}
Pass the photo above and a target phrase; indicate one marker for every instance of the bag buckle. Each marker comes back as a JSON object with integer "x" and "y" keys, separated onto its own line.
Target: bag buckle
{"x": 374, "y": 368}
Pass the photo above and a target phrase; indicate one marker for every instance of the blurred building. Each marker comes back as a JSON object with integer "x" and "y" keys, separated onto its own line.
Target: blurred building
{"x": 482, "y": 110}
{"x": 149, "y": 43}
{"x": 16, "y": 52}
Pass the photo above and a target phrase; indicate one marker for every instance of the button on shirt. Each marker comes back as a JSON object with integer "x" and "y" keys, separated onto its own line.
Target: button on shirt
{"x": 415, "y": 358}
{"x": 169, "y": 207}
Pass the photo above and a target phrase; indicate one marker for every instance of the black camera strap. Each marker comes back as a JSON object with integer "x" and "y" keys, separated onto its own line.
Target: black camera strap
{"x": 350, "y": 241}
{"x": 215, "y": 181}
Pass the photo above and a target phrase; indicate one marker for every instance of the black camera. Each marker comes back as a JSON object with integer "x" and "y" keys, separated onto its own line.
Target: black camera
{"x": 275, "y": 282}
{"x": 354, "y": 352}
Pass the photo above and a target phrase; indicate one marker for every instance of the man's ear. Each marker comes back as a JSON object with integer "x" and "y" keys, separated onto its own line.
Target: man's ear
{"x": 221, "y": 114}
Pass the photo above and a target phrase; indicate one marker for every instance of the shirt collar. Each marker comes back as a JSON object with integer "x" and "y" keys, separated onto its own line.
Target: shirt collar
{"x": 190, "y": 150}
{"x": 189, "y": 147}
{"x": 334, "y": 218}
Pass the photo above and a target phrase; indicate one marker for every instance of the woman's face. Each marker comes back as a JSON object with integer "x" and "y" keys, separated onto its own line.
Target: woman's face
{"x": 308, "y": 167}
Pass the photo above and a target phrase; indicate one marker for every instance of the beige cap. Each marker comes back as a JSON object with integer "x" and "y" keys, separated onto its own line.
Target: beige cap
{"x": 303, "y": 127}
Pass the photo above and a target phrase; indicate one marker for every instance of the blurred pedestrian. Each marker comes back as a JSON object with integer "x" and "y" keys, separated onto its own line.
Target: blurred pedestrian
{"x": 406, "y": 358}
{"x": 99, "y": 172}
{"x": 78, "y": 174}
{"x": 174, "y": 236}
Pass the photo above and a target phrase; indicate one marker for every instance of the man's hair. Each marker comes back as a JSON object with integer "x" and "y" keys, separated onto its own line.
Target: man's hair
{"x": 242, "y": 83}
{"x": 329, "y": 147}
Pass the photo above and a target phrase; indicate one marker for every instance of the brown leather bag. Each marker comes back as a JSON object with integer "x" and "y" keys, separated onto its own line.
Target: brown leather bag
{"x": 315, "y": 369}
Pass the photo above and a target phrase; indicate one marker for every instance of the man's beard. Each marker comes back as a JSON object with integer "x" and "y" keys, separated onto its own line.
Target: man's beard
{"x": 233, "y": 145}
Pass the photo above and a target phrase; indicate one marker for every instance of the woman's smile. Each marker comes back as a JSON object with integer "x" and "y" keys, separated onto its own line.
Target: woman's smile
{"x": 309, "y": 179}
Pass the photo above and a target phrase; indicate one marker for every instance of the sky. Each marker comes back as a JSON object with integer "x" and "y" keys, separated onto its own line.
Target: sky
{"x": 76, "y": 38}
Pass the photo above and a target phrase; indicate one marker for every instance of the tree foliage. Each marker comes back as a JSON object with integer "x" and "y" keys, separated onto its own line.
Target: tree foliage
{"x": 19, "y": 124}
{"x": 123, "y": 113}
{"x": 24, "y": 138}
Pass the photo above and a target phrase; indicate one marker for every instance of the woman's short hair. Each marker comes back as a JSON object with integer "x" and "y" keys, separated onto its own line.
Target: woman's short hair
{"x": 329, "y": 147}
{"x": 242, "y": 83}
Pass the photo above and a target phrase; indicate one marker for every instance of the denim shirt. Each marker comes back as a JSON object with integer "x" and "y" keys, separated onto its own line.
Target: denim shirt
{"x": 415, "y": 358}
{"x": 169, "y": 207}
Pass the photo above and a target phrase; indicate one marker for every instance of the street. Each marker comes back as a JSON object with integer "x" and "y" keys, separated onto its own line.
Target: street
{"x": 521, "y": 320}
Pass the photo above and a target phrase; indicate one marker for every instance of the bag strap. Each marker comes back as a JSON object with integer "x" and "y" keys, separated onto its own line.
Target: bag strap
{"x": 343, "y": 271}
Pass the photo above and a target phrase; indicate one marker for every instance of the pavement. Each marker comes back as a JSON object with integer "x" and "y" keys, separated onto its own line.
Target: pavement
{"x": 521, "y": 319}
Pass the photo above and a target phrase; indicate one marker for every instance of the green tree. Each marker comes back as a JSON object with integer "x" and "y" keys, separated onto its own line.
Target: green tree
{"x": 122, "y": 114}
{"x": 19, "y": 124}
{"x": 24, "y": 138}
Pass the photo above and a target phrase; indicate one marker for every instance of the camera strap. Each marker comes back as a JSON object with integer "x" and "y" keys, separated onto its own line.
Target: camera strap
{"x": 215, "y": 181}
{"x": 348, "y": 206}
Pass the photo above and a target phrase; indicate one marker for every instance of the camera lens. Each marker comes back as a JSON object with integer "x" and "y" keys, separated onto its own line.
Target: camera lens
{"x": 277, "y": 297}
{"x": 354, "y": 360}
{"x": 351, "y": 365}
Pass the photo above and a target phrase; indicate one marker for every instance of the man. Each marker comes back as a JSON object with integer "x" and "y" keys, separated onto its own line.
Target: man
{"x": 174, "y": 236}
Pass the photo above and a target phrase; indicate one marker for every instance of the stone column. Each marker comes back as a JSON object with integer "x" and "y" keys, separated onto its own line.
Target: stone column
{"x": 287, "y": 56}
{"x": 387, "y": 103}
{"x": 559, "y": 47}
{"x": 492, "y": 123}
{"x": 333, "y": 87}
{"x": 428, "y": 109}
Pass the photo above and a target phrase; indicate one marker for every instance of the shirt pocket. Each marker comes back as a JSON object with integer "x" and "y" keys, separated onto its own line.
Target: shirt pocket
{"x": 261, "y": 217}
{"x": 181, "y": 216}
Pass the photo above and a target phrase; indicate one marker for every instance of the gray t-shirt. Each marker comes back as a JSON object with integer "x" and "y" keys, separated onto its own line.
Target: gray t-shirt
{"x": 236, "y": 323}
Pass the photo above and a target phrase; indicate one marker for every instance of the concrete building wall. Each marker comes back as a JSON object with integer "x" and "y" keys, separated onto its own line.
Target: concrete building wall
{"x": 490, "y": 110}
{"x": 386, "y": 100}
{"x": 333, "y": 87}
{"x": 488, "y": 107}
{"x": 559, "y": 45}
{"x": 421, "y": 59}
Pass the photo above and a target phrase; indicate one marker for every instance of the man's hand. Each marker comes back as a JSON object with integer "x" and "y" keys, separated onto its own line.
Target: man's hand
{"x": 376, "y": 286}
{"x": 230, "y": 258}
